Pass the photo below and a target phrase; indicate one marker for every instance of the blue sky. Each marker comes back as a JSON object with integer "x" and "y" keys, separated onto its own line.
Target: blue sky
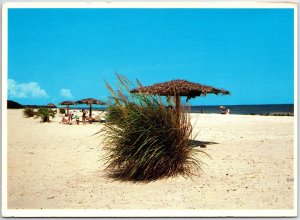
{"x": 61, "y": 54}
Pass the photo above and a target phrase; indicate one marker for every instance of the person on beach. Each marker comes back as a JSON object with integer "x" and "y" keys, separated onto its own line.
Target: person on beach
{"x": 77, "y": 119}
{"x": 64, "y": 120}
{"x": 91, "y": 120}
{"x": 83, "y": 116}
{"x": 70, "y": 118}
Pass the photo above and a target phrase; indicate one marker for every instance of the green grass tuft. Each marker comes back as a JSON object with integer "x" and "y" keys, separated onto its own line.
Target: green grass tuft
{"x": 29, "y": 112}
{"x": 62, "y": 111}
{"x": 45, "y": 114}
{"x": 143, "y": 138}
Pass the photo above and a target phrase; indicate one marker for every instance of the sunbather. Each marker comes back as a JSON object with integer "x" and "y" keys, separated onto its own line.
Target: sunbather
{"x": 91, "y": 119}
{"x": 64, "y": 120}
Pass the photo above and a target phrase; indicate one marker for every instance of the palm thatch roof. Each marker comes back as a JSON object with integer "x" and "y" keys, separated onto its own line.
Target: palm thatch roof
{"x": 51, "y": 105}
{"x": 67, "y": 103}
{"x": 90, "y": 101}
{"x": 179, "y": 87}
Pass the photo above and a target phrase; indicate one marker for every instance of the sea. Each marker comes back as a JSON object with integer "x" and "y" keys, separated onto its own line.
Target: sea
{"x": 234, "y": 109}
{"x": 248, "y": 109}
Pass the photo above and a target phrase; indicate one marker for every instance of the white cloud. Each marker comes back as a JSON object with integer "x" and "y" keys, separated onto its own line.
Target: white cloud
{"x": 66, "y": 93}
{"x": 25, "y": 90}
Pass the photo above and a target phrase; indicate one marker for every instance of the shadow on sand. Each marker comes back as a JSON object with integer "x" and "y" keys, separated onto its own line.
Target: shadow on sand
{"x": 201, "y": 144}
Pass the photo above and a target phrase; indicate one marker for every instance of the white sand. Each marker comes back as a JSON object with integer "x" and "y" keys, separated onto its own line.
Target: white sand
{"x": 54, "y": 166}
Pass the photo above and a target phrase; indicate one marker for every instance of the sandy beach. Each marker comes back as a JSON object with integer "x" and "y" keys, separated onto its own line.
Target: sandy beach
{"x": 56, "y": 166}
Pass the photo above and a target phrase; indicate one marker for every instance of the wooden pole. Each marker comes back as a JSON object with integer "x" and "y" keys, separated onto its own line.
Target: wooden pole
{"x": 90, "y": 110}
{"x": 177, "y": 109}
{"x": 68, "y": 110}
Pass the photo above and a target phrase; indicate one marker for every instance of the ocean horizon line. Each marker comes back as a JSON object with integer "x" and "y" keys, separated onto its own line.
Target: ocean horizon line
{"x": 243, "y": 109}
{"x": 197, "y": 105}
{"x": 224, "y": 105}
{"x": 244, "y": 104}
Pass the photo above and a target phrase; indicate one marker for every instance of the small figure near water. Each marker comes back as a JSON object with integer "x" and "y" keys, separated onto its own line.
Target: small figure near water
{"x": 225, "y": 111}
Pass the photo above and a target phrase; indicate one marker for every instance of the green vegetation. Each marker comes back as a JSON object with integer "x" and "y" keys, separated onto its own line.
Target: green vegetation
{"x": 45, "y": 114}
{"x": 62, "y": 111}
{"x": 29, "y": 112}
{"x": 144, "y": 140}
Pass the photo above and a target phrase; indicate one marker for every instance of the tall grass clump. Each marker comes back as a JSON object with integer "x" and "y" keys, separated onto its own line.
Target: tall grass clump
{"x": 45, "y": 114}
{"x": 143, "y": 138}
{"x": 28, "y": 112}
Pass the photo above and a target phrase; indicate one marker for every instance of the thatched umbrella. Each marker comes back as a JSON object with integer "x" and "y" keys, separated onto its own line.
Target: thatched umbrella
{"x": 90, "y": 101}
{"x": 51, "y": 105}
{"x": 67, "y": 103}
{"x": 179, "y": 88}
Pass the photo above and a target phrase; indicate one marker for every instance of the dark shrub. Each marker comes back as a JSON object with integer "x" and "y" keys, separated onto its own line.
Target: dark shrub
{"x": 62, "y": 111}
{"x": 144, "y": 140}
{"x": 29, "y": 112}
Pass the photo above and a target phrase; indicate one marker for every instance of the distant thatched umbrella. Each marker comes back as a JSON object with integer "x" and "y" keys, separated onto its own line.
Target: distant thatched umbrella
{"x": 90, "y": 101}
{"x": 221, "y": 106}
{"x": 179, "y": 88}
{"x": 67, "y": 103}
{"x": 51, "y": 105}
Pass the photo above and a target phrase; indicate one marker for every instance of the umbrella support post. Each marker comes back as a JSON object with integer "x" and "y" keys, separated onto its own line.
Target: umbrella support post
{"x": 90, "y": 110}
{"x": 177, "y": 109}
